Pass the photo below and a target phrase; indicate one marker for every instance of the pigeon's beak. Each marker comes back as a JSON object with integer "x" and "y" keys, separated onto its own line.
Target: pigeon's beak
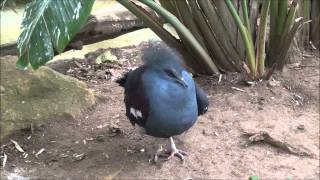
{"x": 172, "y": 73}
{"x": 182, "y": 82}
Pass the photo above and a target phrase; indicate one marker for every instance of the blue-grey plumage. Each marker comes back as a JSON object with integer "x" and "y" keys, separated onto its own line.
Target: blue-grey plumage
{"x": 161, "y": 96}
{"x": 172, "y": 107}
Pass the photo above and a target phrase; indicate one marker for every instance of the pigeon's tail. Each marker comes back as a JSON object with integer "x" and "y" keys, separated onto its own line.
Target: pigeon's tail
{"x": 122, "y": 81}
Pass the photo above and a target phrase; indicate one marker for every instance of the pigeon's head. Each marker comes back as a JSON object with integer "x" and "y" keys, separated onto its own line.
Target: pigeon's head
{"x": 166, "y": 61}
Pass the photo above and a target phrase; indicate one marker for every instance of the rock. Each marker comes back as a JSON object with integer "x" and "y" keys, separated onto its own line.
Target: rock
{"x": 36, "y": 97}
{"x": 106, "y": 57}
{"x": 101, "y": 74}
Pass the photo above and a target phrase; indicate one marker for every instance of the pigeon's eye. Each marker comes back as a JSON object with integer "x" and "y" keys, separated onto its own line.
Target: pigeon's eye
{"x": 176, "y": 77}
{"x": 172, "y": 73}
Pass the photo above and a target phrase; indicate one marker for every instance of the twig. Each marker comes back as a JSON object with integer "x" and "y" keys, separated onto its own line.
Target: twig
{"x": 4, "y": 161}
{"x": 238, "y": 89}
{"x": 220, "y": 77}
{"x": 39, "y": 152}
{"x": 18, "y": 147}
{"x": 263, "y": 136}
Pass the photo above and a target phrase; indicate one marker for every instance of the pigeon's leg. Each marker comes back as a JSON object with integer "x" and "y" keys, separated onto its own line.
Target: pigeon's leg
{"x": 176, "y": 152}
{"x": 173, "y": 152}
{"x": 159, "y": 153}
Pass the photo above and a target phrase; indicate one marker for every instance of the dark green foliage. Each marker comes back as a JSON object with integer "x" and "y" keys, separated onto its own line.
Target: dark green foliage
{"x": 48, "y": 26}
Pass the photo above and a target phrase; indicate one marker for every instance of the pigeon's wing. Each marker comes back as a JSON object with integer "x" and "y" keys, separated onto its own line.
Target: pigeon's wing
{"x": 202, "y": 100}
{"x": 122, "y": 80}
{"x": 137, "y": 107}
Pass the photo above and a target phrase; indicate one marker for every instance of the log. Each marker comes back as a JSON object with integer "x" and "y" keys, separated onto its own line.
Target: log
{"x": 101, "y": 25}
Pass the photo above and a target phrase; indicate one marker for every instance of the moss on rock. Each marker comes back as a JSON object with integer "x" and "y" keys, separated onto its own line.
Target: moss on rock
{"x": 36, "y": 97}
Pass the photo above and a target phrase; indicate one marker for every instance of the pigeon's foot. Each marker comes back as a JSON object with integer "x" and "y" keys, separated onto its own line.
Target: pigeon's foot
{"x": 168, "y": 155}
{"x": 176, "y": 152}
{"x": 159, "y": 153}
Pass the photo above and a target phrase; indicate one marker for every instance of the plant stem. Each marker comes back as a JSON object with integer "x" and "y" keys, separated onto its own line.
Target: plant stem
{"x": 290, "y": 17}
{"x": 306, "y": 16}
{"x": 285, "y": 42}
{"x": 282, "y": 13}
{"x": 154, "y": 25}
{"x": 184, "y": 32}
{"x": 244, "y": 5}
{"x": 262, "y": 37}
{"x": 245, "y": 34}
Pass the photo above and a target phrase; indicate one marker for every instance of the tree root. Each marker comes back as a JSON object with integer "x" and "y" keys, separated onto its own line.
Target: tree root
{"x": 263, "y": 136}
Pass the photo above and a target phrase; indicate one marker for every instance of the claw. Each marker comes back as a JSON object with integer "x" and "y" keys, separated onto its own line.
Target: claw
{"x": 178, "y": 153}
{"x": 157, "y": 154}
{"x": 169, "y": 155}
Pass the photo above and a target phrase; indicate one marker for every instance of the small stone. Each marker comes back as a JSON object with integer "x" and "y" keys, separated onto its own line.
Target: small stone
{"x": 101, "y": 74}
{"x": 78, "y": 157}
{"x": 204, "y": 132}
{"x": 130, "y": 151}
{"x": 274, "y": 83}
{"x": 106, "y": 155}
{"x": 100, "y": 138}
{"x": 2, "y": 89}
{"x": 106, "y": 57}
{"x": 301, "y": 127}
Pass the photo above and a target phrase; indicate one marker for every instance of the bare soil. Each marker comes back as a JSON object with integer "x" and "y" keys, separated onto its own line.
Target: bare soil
{"x": 102, "y": 144}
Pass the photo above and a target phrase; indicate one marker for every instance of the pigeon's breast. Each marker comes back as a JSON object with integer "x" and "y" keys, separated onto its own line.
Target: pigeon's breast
{"x": 172, "y": 107}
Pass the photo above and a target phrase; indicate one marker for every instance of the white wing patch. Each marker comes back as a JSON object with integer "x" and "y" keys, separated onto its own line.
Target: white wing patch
{"x": 133, "y": 112}
{"x": 136, "y": 113}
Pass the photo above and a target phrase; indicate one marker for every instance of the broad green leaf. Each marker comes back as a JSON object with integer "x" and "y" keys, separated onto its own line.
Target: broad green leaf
{"x": 48, "y": 26}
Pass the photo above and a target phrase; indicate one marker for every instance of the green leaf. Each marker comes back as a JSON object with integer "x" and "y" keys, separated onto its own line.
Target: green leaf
{"x": 261, "y": 39}
{"x": 246, "y": 37}
{"x": 48, "y": 26}
{"x": 253, "y": 178}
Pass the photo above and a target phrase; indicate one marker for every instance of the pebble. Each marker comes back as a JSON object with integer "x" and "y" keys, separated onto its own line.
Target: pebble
{"x": 2, "y": 89}
{"x": 301, "y": 127}
{"x": 274, "y": 83}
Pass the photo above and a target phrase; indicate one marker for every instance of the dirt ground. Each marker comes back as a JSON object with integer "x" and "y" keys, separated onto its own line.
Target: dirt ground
{"x": 102, "y": 144}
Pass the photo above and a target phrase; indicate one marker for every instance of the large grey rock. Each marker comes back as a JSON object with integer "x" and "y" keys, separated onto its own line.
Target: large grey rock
{"x": 36, "y": 97}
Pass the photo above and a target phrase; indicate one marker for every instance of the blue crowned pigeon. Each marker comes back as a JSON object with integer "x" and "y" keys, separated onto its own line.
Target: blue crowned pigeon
{"x": 161, "y": 96}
